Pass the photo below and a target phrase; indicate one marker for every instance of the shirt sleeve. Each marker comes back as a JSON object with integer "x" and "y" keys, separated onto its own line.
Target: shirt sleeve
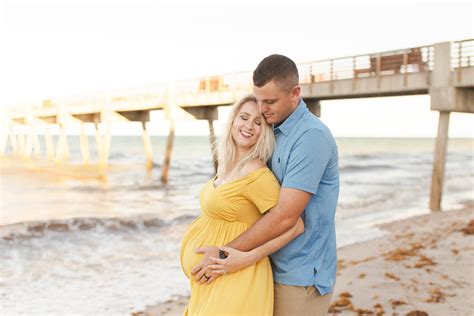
{"x": 263, "y": 191}
{"x": 307, "y": 162}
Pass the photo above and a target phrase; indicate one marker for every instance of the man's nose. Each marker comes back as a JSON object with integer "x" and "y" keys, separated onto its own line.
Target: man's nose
{"x": 261, "y": 107}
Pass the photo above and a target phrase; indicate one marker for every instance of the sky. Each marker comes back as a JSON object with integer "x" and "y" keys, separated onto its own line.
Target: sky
{"x": 53, "y": 49}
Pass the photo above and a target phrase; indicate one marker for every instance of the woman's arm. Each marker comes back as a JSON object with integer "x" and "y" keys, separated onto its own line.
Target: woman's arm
{"x": 237, "y": 260}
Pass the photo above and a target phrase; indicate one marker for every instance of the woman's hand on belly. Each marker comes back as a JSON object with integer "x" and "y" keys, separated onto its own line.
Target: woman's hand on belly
{"x": 202, "y": 272}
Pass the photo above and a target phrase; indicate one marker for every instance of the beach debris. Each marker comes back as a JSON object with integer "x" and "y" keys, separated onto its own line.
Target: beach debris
{"x": 392, "y": 276}
{"x": 469, "y": 229}
{"x": 405, "y": 235}
{"x": 345, "y": 294}
{"x": 340, "y": 264}
{"x": 343, "y": 303}
{"x": 361, "y": 276}
{"x": 379, "y": 311}
{"x": 424, "y": 261}
{"x": 362, "y": 311}
{"x": 455, "y": 251}
{"x": 354, "y": 262}
{"x": 417, "y": 313}
{"x": 400, "y": 254}
{"x": 436, "y": 296}
{"x": 396, "y": 303}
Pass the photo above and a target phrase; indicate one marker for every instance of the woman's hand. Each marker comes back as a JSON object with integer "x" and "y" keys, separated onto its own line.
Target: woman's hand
{"x": 202, "y": 272}
{"x": 236, "y": 260}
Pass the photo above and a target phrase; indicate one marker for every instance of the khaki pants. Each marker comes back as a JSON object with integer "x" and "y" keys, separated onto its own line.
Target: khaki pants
{"x": 300, "y": 300}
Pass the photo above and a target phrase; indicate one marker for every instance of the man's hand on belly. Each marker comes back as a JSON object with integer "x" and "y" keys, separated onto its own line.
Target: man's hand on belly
{"x": 202, "y": 273}
{"x": 236, "y": 260}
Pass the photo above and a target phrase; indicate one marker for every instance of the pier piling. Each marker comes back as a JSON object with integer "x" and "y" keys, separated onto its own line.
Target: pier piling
{"x": 84, "y": 145}
{"x": 147, "y": 145}
{"x": 439, "y": 161}
{"x": 212, "y": 141}
{"x": 169, "y": 149}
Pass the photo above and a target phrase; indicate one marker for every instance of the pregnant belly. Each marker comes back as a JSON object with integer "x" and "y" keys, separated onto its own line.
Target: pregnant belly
{"x": 206, "y": 231}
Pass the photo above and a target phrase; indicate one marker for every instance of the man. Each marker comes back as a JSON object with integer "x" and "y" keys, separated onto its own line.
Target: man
{"x": 305, "y": 163}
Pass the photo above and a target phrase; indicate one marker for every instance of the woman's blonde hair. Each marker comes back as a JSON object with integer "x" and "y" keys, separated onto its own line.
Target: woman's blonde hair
{"x": 227, "y": 148}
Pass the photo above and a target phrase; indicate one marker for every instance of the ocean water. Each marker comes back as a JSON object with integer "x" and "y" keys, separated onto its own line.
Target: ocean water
{"x": 77, "y": 240}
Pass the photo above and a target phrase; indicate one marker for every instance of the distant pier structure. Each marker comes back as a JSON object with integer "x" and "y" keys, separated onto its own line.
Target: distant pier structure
{"x": 445, "y": 71}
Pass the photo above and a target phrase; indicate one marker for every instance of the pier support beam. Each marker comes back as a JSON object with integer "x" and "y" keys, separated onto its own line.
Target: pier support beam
{"x": 99, "y": 144}
{"x": 3, "y": 143}
{"x": 169, "y": 149}
{"x": 84, "y": 145}
{"x": 28, "y": 143}
{"x": 62, "y": 151}
{"x": 95, "y": 118}
{"x": 4, "y": 140}
{"x": 107, "y": 141}
{"x": 210, "y": 114}
{"x": 45, "y": 121}
{"x": 439, "y": 161}
{"x": 36, "y": 142}
{"x": 21, "y": 145}
{"x": 314, "y": 106}
{"x": 143, "y": 117}
{"x": 48, "y": 140}
{"x": 147, "y": 145}
{"x": 212, "y": 140}
{"x": 13, "y": 142}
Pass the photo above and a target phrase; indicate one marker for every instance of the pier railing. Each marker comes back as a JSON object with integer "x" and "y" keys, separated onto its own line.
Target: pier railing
{"x": 462, "y": 55}
{"x": 403, "y": 61}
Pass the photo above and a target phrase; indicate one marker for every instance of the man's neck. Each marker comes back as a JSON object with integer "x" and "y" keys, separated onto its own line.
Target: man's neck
{"x": 292, "y": 111}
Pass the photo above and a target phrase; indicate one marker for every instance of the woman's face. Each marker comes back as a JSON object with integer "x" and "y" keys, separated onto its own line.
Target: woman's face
{"x": 247, "y": 126}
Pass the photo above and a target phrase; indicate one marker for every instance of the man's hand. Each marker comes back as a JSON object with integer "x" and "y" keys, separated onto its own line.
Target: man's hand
{"x": 201, "y": 272}
{"x": 236, "y": 260}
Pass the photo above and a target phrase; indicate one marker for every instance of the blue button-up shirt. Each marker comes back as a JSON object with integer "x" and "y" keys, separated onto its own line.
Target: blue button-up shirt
{"x": 306, "y": 159}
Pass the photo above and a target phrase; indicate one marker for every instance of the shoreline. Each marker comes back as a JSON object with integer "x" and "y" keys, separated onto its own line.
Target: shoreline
{"x": 422, "y": 264}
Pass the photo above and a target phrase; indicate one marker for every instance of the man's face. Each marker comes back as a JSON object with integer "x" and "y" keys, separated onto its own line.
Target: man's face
{"x": 275, "y": 104}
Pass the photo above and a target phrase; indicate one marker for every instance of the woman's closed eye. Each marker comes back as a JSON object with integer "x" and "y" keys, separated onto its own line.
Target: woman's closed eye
{"x": 245, "y": 118}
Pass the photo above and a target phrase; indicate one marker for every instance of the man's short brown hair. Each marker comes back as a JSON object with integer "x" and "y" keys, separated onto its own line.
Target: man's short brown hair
{"x": 279, "y": 68}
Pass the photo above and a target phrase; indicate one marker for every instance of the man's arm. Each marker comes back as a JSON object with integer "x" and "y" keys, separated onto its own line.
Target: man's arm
{"x": 276, "y": 222}
{"x": 237, "y": 260}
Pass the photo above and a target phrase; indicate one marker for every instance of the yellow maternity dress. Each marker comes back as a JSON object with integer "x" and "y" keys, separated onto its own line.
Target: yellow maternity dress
{"x": 227, "y": 211}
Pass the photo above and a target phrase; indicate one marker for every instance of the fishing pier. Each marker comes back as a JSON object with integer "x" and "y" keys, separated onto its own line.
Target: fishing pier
{"x": 445, "y": 71}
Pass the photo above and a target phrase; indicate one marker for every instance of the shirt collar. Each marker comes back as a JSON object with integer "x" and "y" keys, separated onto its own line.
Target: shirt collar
{"x": 291, "y": 120}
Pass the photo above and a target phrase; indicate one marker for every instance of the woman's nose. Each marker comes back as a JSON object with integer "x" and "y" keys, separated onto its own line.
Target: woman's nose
{"x": 249, "y": 124}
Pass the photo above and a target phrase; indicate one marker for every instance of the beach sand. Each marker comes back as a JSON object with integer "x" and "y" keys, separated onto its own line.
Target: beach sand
{"x": 422, "y": 266}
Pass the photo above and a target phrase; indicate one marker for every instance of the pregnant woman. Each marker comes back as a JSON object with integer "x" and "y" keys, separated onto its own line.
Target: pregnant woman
{"x": 241, "y": 192}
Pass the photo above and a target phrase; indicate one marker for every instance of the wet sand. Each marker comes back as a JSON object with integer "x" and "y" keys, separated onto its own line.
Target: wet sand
{"x": 422, "y": 266}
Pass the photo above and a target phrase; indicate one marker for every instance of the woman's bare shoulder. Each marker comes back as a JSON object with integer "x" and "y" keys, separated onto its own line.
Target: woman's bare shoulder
{"x": 252, "y": 165}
